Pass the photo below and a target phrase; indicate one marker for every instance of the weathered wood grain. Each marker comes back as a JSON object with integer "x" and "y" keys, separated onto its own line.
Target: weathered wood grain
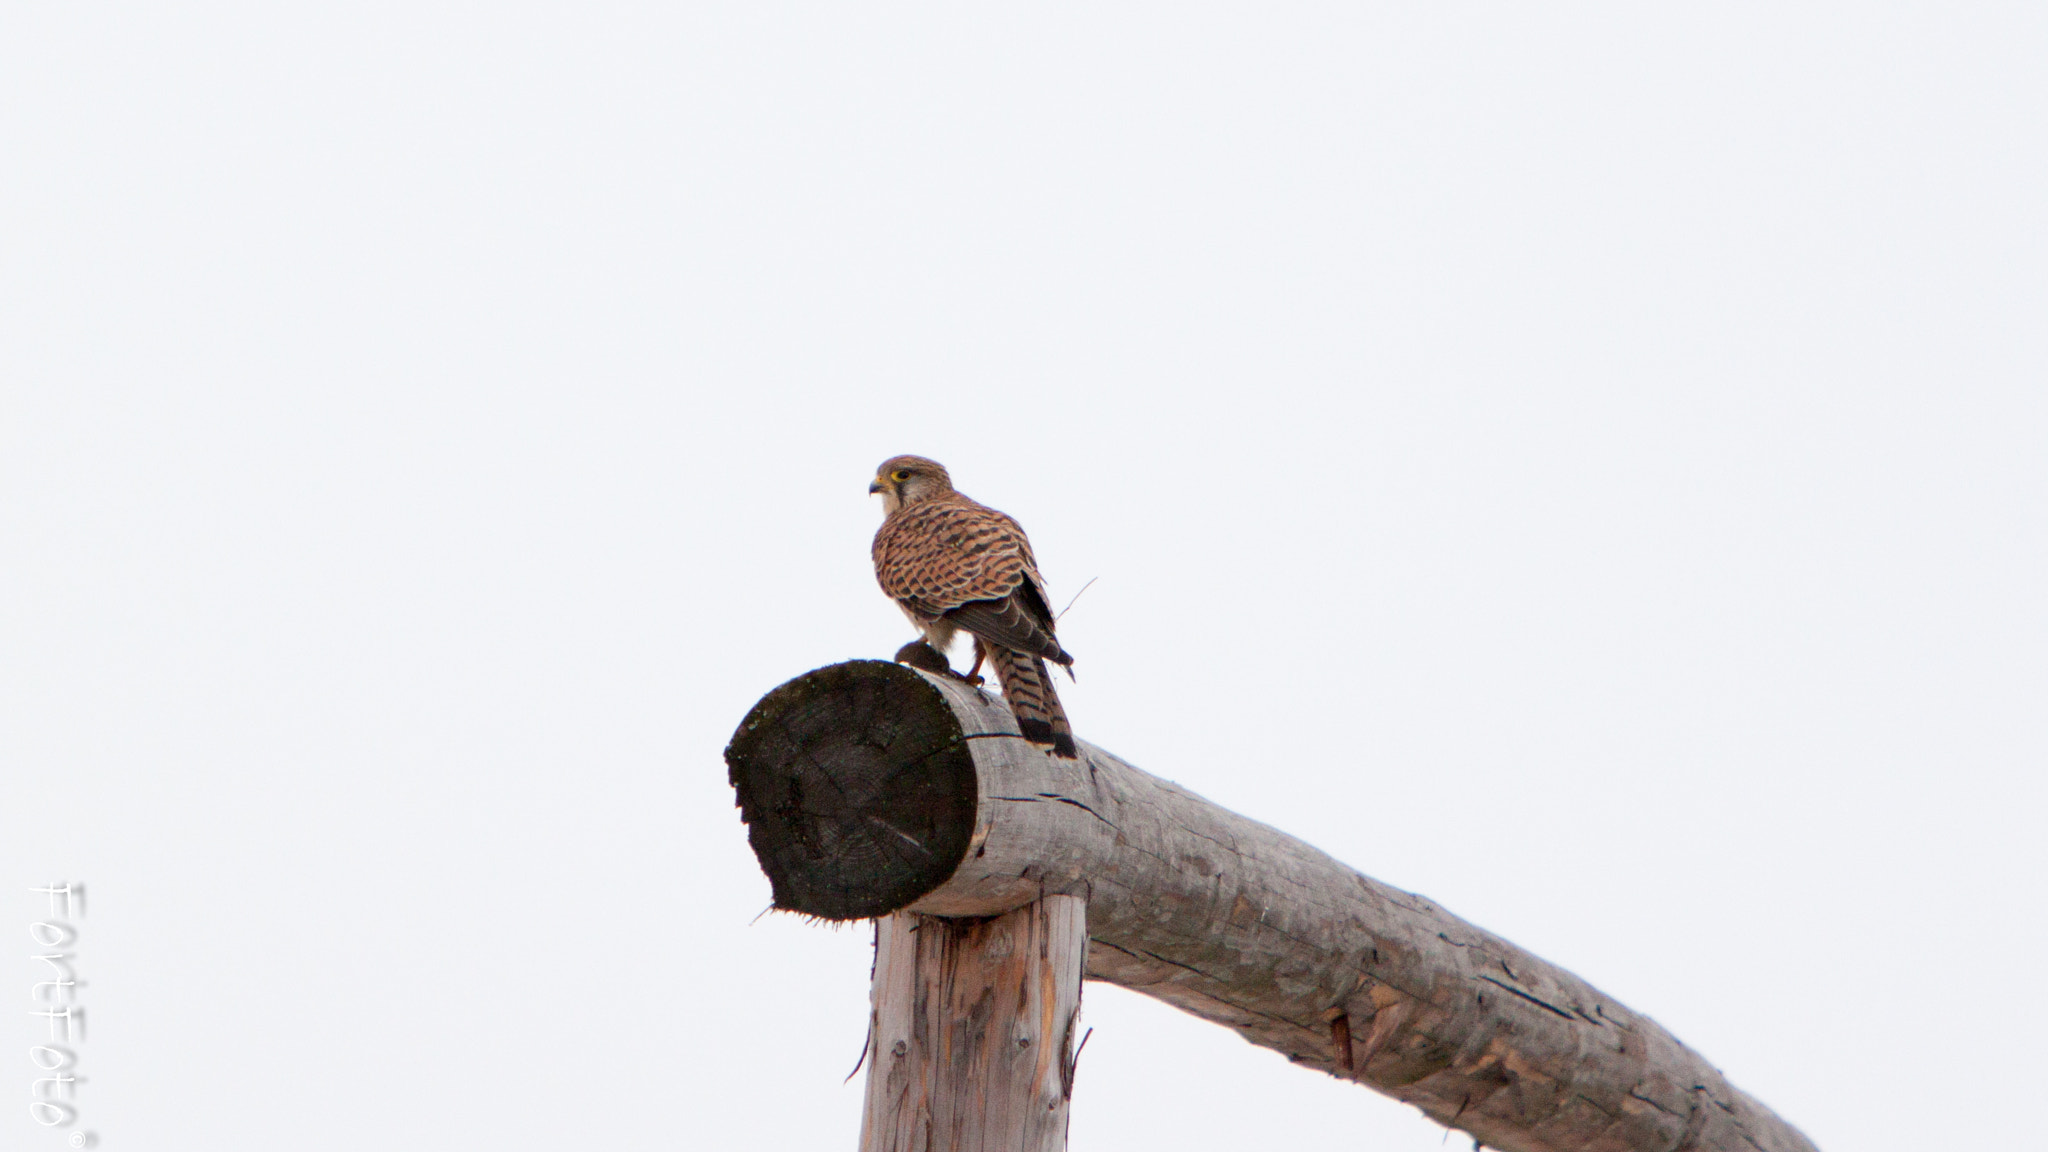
{"x": 858, "y": 794}
{"x": 971, "y": 1040}
{"x": 1214, "y": 913}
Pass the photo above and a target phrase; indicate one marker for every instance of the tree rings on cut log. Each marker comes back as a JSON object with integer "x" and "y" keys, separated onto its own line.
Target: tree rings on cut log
{"x": 857, "y": 788}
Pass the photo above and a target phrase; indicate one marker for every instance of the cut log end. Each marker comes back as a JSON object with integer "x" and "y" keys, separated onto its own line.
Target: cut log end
{"x": 857, "y": 789}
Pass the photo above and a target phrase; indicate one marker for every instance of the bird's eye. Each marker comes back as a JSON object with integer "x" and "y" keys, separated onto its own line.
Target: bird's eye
{"x": 900, "y": 475}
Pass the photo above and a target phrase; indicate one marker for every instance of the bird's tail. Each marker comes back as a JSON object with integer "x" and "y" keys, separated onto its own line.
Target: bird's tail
{"x": 1027, "y": 688}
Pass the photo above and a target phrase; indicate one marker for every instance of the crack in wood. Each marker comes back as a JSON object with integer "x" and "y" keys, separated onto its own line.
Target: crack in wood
{"x": 1057, "y": 799}
{"x": 1635, "y": 1093}
{"x": 1610, "y": 1113}
{"x": 1543, "y": 1004}
{"x": 1601, "y": 1011}
{"x": 907, "y": 837}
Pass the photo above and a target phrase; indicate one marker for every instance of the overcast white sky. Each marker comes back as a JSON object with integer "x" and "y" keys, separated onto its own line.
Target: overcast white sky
{"x": 1598, "y": 452}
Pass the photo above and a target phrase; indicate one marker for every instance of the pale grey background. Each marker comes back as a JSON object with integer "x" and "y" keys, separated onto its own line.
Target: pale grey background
{"x": 1586, "y": 465}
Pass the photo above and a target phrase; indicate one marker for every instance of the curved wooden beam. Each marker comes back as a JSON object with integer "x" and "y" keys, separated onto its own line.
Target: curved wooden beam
{"x": 870, "y": 788}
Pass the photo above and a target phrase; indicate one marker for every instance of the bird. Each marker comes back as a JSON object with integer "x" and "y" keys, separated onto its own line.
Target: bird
{"x": 953, "y": 565}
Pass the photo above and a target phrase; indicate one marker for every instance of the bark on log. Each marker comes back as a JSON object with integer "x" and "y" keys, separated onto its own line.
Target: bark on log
{"x": 870, "y": 788}
{"x": 971, "y": 1037}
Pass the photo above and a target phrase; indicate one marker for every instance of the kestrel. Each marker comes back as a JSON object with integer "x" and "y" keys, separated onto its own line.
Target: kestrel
{"x": 952, "y": 564}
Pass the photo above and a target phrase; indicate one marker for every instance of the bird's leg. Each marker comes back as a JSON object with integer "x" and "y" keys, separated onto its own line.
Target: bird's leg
{"x": 974, "y": 674}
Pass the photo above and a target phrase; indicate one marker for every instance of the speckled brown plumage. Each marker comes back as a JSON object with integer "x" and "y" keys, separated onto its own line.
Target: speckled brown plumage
{"x": 955, "y": 565}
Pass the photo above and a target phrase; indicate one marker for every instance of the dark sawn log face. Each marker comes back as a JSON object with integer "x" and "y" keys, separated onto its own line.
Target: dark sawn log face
{"x": 857, "y": 789}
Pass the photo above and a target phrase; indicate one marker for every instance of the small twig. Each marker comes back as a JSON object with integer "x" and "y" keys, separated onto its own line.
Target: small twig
{"x": 758, "y": 915}
{"x": 1073, "y": 1062}
{"x": 865, "y": 1044}
{"x": 1077, "y": 596}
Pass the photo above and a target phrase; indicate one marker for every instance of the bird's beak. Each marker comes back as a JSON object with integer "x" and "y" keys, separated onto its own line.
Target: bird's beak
{"x": 875, "y": 486}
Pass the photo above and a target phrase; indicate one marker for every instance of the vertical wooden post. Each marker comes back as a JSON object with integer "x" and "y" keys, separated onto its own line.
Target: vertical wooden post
{"x": 971, "y": 1041}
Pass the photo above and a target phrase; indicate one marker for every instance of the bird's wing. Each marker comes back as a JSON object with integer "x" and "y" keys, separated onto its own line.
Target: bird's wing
{"x": 1011, "y": 623}
{"x": 971, "y": 564}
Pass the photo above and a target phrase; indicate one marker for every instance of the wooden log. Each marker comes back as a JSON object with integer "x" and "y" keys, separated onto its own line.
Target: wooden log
{"x": 870, "y": 788}
{"x": 971, "y": 1041}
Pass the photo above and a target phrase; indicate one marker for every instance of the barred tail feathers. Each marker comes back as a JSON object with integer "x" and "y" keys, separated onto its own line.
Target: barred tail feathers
{"x": 1027, "y": 689}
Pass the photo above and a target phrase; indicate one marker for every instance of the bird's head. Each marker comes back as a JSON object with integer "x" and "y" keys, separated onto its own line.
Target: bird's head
{"x": 908, "y": 479}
